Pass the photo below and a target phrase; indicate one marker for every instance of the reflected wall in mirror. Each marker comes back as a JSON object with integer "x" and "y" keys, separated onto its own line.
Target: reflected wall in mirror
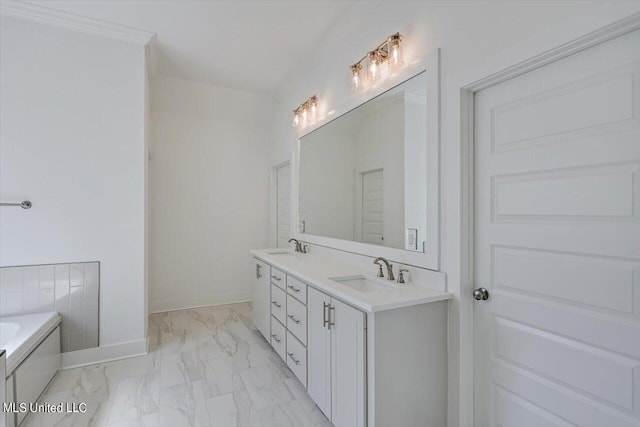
{"x": 363, "y": 176}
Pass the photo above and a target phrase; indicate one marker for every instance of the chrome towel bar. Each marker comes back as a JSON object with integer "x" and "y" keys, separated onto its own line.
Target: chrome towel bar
{"x": 26, "y": 204}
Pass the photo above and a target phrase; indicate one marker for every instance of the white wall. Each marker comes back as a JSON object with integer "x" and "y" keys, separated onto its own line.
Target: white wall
{"x": 468, "y": 33}
{"x": 209, "y": 186}
{"x": 327, "y": 205}
{"x": 72, "y": 141}
{"x": 415, "y": 172}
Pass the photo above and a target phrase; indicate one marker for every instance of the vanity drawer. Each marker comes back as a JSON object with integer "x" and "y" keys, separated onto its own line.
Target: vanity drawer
{"x": 279, "y": 338}
{"x": 297, "y": 358}
{"x": 297, "y": 318}
{"x": 279, "y": 304}
{"x": 297, "y": 289}
{"x": 278, "y": 278}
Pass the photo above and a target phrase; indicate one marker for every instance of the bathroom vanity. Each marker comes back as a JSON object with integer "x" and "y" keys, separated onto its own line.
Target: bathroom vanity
{"x": 371, "y": 352}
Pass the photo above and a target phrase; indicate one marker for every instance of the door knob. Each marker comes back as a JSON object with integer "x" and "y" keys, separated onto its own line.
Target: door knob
{"x": 481, "y": 294}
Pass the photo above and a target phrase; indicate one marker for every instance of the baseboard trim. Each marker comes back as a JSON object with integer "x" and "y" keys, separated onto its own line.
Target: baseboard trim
{"x": 205, "y": 301}
{"x": 107, "y": 353}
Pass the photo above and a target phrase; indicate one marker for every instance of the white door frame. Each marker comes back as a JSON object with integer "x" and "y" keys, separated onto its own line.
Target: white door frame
{"x": 458, "y": 157}
{"x": 273, "y": 202}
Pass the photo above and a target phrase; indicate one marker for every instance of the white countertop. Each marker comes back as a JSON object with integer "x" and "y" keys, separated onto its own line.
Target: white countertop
{"x": 317, "y": 272}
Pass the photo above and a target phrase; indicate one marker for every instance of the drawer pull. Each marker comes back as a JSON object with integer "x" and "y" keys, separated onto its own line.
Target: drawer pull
{"x": 325, "y": 321}
{"x": 331, "y": 322}
{"x": 276, "y": 304}
{"x": 293, "y": 288}
{"x": 290, "y": 316}
{"x": 275, "y": 278}
{"x": 297, "y": 362}
{"x": 275, "y": 338}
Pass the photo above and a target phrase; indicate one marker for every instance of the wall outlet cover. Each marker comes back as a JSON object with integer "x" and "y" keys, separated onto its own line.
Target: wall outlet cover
{"x": 412, "y": 239}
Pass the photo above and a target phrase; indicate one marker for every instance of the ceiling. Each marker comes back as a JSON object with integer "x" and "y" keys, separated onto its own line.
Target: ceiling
{"x": 249, "y": 45}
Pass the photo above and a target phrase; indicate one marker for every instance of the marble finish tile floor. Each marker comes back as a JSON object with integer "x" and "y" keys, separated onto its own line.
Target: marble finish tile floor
{"x": 206, "y": 367}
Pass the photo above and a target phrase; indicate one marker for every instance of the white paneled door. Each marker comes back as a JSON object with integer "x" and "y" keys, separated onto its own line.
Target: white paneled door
{"x": 557, "y": 243}
{"x": 319, "y": 345}
{"x": 347, "y": 365}
{"x": 283, "y": 178}
{"x": 260, "y": 290}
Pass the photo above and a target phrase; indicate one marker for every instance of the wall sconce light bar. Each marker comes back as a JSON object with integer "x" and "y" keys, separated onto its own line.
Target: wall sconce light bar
{"x": 389, "y": 51}
{"x": 306, "y": 112}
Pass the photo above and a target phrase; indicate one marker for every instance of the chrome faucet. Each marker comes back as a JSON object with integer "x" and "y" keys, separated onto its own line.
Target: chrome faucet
{"x": 389, "y": 268}
{"x": 299, "y": 246}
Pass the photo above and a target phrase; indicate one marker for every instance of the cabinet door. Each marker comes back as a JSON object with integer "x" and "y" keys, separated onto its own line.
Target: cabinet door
{"x": 348, "y": 365}
{"x": 261, "y": 298}
{"x": 319, "y": 350}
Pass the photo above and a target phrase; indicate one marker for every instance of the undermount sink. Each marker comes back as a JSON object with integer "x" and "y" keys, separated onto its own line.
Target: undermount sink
{"x": 362, "y": 283}
{"x": 281, "y": 253}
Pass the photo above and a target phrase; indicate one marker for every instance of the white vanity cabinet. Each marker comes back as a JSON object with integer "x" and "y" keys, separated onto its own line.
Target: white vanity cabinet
{"x": 261, "y": 297}
{"x": 337, "y": 359}
{"x": 367, "y": 359}
{"x": 280, "y": 314}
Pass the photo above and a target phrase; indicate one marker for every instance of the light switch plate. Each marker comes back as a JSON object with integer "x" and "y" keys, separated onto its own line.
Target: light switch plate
{"x": 301, "y": 227}
{"x": 412, "y": 239}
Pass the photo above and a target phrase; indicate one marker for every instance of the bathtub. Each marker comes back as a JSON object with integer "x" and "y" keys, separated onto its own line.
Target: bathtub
{"x": 32, "y": 345}
{"x": 20, "y": 335}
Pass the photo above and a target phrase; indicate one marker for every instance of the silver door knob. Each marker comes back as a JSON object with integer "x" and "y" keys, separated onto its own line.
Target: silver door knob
{"x": 481, "y": 294}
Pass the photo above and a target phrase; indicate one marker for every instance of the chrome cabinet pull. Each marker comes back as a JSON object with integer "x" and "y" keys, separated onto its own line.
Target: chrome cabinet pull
{"x": 276, "y": 304}
{"x": 325, "y": 321}
{"x": 275, "y": 338}
{"x": 293, "y": 288}
{"x": 258, "y": 267}
{"x": 332, "y": 322}
{"x": 275, "y": 278}
{"x": 297, "y": 362}
{"x": 290, "y": 316}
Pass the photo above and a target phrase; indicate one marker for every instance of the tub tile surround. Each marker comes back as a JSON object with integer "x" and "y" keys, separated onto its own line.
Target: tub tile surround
{"x": 70, "y": 289}
{"x": 205, "y": 367}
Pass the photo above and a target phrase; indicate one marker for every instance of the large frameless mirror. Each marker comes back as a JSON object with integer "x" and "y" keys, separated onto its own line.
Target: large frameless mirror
{"x": 363, "y": 175}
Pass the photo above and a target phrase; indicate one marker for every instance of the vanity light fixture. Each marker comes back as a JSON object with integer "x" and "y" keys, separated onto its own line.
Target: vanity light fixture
{"x": 306, "y": 113}
{"x": 390, "y": 51}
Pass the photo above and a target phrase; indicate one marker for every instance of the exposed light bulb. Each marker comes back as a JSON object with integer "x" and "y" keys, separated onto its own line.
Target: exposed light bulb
{"x": 313, "y": 109}
{"x": 356, "y": 79}
{"x": 296, "y": 118}
{"x": 395, "y": 51}
{"x": 373, "y": 68}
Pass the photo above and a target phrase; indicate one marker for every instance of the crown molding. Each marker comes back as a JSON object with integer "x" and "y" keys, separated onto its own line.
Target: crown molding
{"x": 45, "y": 15}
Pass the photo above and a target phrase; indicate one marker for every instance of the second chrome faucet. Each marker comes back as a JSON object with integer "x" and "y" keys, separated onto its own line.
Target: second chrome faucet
{"x": 389, "y": 266}
{"x": 299, "y": 246}
{"x": 378, "y": 261}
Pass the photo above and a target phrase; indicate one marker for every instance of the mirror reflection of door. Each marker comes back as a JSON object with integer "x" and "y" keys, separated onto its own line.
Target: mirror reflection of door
{"x": 283, "y": 199}
{"x": 373, "y": 207}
